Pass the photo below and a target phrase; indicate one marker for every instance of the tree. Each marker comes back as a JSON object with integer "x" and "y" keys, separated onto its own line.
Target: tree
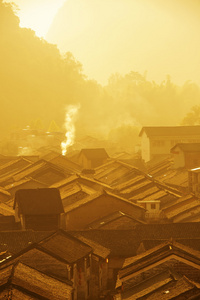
{"x": 193, "y": 117}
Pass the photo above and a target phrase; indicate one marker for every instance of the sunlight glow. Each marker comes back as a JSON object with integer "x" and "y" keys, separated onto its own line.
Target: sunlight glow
{"x": 37, "y": 15}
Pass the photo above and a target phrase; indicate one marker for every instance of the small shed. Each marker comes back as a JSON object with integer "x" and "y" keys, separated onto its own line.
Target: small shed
{"x": 38, "y": 209}
{"x": 92, "y": 158}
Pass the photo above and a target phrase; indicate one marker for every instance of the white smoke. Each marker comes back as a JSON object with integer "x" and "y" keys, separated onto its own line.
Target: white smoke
{"x": 71, "y": 113}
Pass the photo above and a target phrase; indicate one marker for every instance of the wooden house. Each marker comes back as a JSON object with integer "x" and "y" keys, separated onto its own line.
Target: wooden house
{"x": 38, "y": 209}
{"x": 148, "y": 193}
{"x": 77, "y": 261}
{"x": 125, "y": 243}
{"x": 92, "y": 158}
{"x": 186, "y": 155}
{"x": 77, "y": 255}
{"x": 122, "y": 244}
{"x": 99, "y": 268}
{"x": 158, "y": 141}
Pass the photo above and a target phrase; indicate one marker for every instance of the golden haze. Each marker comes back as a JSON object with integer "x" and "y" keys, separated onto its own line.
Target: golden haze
{"x": 37, "y": 83}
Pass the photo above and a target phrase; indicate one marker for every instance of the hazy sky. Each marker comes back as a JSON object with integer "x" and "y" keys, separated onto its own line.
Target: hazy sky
{"x": 37, "y": 14}
{"x": 108, "y": 36}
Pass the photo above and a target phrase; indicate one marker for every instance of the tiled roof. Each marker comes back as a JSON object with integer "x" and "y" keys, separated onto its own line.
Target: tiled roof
{"x": 126, "y": 242}
{"x": 183, "y": 209}
{"x": 156, "y": 254}
{"x": 182, "y": 288}
{"x": 17, "y": 294}
{"x": 39, "y": 201}
{"x": 102, "y": 222}
{"x": 115, "y": 172}
{"x": 177, "y": 178}
{"x": 148, "y": 286}
{"x": 122, "y": 243}
{"x": 65, "y": 181}
{"x": 49, "y": 155}
{"x": 35, "y": 257}
{"x": 94, "y": 153}
{"x": 16, "y": 241}
{"x": 122, "y": 155}
{"x": 159, "y": 167}
{"x": 128, "y": 183}
{"x": 189, "y": 242}
{"x": 21, "y": 182}
{"x": 74, "y": 188}
{"x": 163, "y": 286}
{"x": 167, "y": 231}
{"x": 65, "y": 246}
{"x": 143, "y": 186}
{"x": 167, "y": 256}
{"x": 36, "y": 168}
{"x": 90, "y": 183}
{"x": 81, "y": 202}
{"x": 6, "y": 210}
{"x": 35, "y": 282}
{"x": 171, "y": 131}
{"x": 136, "y": 188}
{"x": 97, "y": 249}
{"x": 66, "y": 164}
{"x": 4, "y": 192}
{"x": 14, "y": 166}
{"x": 93, "y": 197}
{"x": 5, "y": 275}
{"x": 152, "y": 193}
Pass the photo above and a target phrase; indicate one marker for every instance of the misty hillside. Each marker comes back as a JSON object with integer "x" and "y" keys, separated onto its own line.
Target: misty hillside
{"x": 108, "y": 36}
{"x": 38, "y": 83}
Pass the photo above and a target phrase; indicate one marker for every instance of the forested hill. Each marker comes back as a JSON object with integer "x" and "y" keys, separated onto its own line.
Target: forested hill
{"x": 36, "y": 82}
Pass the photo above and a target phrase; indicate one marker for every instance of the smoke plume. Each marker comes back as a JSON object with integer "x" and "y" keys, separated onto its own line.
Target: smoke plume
{"x": 71, "y": 113}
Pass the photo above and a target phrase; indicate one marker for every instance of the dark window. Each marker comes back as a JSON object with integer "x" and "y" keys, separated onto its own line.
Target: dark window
{"x": 72, "y": 295}
{"x": 153, "y": 206}
{"x": 88, "y": 262}
{"x": 71, "y": 272}
{"x": 158, "y": 143}
{"x": 88, "y": 288}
